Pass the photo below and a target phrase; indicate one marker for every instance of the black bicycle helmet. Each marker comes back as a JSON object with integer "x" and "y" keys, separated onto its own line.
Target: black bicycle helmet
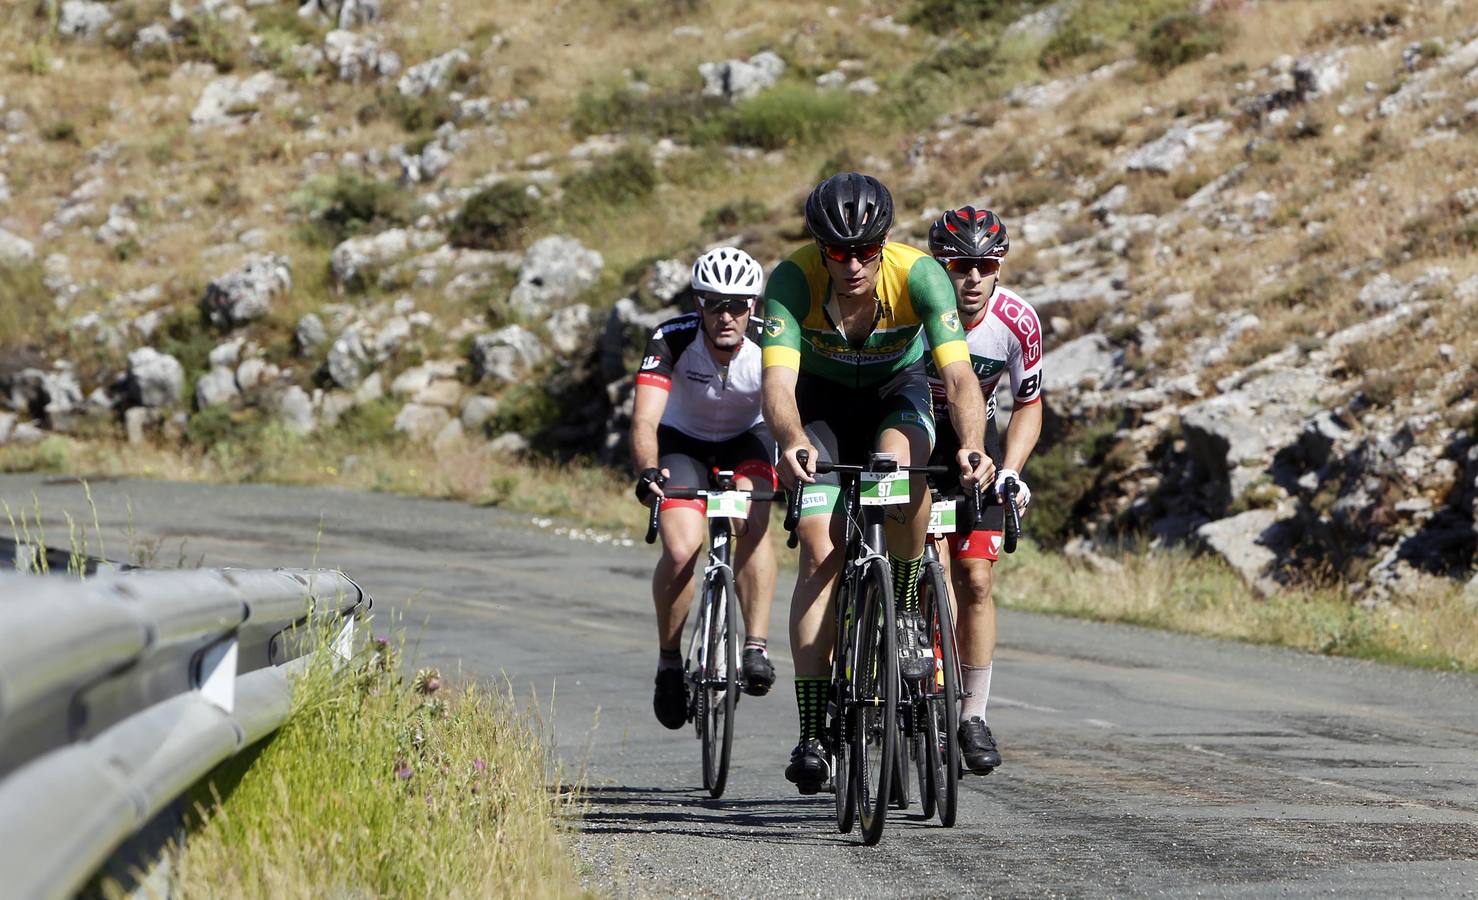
{"x": 849, "y": 209}
{"x": 968, "y": 231}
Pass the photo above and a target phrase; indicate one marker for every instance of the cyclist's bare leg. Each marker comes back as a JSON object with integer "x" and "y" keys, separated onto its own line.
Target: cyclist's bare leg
{"x": 976, "y": 632}
{"x": 683, "y": 530}
{"x": 812, "y": 629}
{"x": 755, "y": 568}
{"x": 906, "y": 538}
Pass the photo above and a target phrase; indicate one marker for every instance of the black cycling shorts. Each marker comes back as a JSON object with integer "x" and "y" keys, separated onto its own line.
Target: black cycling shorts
{"x": 689, "y": 460}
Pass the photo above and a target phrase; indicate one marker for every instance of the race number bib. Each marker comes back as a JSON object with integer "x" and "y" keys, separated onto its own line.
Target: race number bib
{"x": 728, "y": 505}
{"x": 942, "y": 517}
{"x": 884, "y": 488}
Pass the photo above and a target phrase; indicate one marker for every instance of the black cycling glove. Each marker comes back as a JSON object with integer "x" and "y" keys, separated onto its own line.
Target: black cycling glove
{"x": 644, "y": 483}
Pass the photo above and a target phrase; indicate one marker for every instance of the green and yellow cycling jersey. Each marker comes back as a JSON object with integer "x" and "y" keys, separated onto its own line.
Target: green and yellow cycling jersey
{"x": 913, "y": 293}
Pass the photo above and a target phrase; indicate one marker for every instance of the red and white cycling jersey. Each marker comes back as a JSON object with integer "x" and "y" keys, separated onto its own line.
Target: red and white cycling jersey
{"x": 1006, "y": 338}
{"x": 703, "y": 401}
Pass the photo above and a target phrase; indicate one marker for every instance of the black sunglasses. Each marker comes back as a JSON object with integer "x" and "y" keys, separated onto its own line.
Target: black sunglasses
{"x": 734, "y": 306}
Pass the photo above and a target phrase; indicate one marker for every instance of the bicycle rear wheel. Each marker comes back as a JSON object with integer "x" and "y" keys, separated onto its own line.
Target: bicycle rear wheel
{"x": 875, "y": 693}
{"x": 943, "y": 725}
{"x": 720, "y": 683}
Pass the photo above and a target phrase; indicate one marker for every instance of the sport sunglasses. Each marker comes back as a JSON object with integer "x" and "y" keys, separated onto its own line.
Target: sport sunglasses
{"x": 961, "y": 265}
{"x": 734, "y": 306}
{"x": 864, "y": 253}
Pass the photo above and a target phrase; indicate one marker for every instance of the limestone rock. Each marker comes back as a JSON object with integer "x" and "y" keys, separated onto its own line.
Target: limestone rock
{"x": 348, "y": 360}
{"x": 477, "y": 410}
{"x": 555, "y": 270}
{"x": 246, "y": 294}
{"x": 1089, "y": 360}
{"x": 1243, "y": 541}
{"x": 569, "y": 329}
{"x": 83, "y": 19}
{"x": 310, "y": 333}
{"x": 359, "y": 257}
{"x": 432, "y": 75}
{"x": 154, "y": 379}
{"x": 510, "y": 444}
{"x": 294, "y": 409}
{"x": 669, "y": 278}
{"x": 737, "y": 79}
{"x": 505, "y": 354}
{"x": 15, "y": 250}
{"x": 1172, "y": 149}
{"x": 443, "y": 392}
{"x": 421, "y": 423}
{"x": 228, "y": 100}
{"x": 216, "y": 387}
{"x": 359, "y": 57}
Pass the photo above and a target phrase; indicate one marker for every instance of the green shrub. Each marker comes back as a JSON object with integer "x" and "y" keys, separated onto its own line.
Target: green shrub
{"x": 624, "y": 176}
{"x": 940, "y": 16}
{"x": 526, "y": 408}
{"x": 1093, "y": 28}
{"x": 674, "y": 114}
{"x": 1074, "y": 38}
{"x": 1062, "y": 475}
{"x": 1181, "y": 38}
{"x": 343, "y": 205}
{"x": 25, "y": 309}
{"x": 786, "y": 115}
{"x": 495, "y": 218}
{"x": 739, "y": 213}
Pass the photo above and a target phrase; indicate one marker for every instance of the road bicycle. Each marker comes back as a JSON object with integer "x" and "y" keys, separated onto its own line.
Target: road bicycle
{"x": 861, "y": 734}
{"x": 930, "y": 712}
{"x": 712, "y": 664}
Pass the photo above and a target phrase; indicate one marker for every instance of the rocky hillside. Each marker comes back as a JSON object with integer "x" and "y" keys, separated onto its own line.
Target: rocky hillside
{"x": 445, "y": 227}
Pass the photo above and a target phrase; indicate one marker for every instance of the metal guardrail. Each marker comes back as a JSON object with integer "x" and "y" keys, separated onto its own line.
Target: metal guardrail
{"x": 119, "y": 692}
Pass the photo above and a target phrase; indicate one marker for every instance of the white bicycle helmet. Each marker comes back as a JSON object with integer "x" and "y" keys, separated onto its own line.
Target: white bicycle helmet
{"x": 728, "y": 270}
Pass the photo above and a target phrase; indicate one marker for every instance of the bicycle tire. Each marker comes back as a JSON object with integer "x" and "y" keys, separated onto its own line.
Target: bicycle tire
{"x": 720, "y": 687}
{"x": 901, "y": 757}
{"x": 875, "y": 691}
{"x": 840, "y": 727}
{"x": 945, "y": 709}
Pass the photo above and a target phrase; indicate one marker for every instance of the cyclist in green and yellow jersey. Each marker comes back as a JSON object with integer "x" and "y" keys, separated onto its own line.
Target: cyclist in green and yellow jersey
{"x": 845, "y": 320}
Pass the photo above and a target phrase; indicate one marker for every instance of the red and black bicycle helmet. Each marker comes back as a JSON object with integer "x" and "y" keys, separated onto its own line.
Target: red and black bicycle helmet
{"x": 849, "y": 209}
{"x": 969, "y": 232}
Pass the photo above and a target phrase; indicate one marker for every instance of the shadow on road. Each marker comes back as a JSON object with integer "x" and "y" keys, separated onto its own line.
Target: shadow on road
{"x": 624, "y": 809}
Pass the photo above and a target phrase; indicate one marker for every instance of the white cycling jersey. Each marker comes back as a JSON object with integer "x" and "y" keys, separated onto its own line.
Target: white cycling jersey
{"x": 703, "y": 401}
{"x": 1007, "y": 338}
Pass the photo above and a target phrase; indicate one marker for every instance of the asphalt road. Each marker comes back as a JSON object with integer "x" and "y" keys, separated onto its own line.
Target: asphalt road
{"x": 1136, "y": 762}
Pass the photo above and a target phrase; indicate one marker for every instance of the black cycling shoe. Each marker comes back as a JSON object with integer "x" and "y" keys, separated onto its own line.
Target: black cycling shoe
{"x": 915, "y": 652}
{"x": 809, "y": 769}
{"x": 978, "y": 747}
{"x": 670, "y": 698}
{"x": 759, "y": 675}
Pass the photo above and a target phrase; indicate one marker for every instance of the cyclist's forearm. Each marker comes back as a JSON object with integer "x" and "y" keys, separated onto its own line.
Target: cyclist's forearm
{"x": 780, "y": 410}
{"x": 1022, "y": 434}
{"x": 643, "y": 448}
{"x": 966, "y": 405}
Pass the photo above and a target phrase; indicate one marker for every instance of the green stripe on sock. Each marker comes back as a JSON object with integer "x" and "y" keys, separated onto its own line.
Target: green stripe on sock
{"x": 906, "y": 582}
{"x": 810, "y": 700}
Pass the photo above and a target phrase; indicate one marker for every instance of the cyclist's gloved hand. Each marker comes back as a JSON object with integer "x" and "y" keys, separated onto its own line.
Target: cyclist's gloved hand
{"x": 1023, "y": 493}
{"x": 645, "y": 481}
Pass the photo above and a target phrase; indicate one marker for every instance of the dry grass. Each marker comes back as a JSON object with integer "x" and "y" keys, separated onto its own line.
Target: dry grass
{"x": 1199, "y": 595}
{"x": 379, "y": 788}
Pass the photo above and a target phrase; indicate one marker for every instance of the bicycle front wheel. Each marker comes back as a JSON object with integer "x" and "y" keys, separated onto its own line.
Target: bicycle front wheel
{"x": 719, "y": 689}
{"x": 875, "y": 693}
{"x": 942, "y": 727}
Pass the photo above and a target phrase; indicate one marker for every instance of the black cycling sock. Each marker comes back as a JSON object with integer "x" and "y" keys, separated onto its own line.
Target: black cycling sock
{"x": 669, "y": 659}
{"x": 810, "y": 699}
{"x": 906, "y": 582}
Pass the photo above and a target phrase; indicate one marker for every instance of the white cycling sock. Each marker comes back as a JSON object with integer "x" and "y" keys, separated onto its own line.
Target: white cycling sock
{"x": 977, "y": 687}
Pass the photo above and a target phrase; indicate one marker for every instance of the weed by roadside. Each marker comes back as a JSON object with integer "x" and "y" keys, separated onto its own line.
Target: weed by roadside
{"x": 379, "y": 787}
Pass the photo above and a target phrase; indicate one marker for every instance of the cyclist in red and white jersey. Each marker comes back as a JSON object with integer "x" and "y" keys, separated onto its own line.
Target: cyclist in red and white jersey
{"x": 697, "y": 407}
{"x": 1005, "y": 340}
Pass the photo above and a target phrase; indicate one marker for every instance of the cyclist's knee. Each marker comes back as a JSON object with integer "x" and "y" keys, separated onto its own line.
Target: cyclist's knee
{"x": 979, "y": 578}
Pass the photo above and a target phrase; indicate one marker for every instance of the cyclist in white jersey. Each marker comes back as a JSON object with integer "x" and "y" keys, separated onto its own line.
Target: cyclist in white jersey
{"x": 697, "y": 407}
{"x": 1005, "y": 340}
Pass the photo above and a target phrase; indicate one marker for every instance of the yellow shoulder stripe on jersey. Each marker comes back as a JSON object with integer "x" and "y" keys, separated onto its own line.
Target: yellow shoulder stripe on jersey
{"x": 790, "y": 358}
{"x": 948, "y": 352}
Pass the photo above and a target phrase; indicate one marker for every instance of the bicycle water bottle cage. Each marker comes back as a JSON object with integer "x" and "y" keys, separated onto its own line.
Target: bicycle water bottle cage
{"x": 883, "y": 462}
{"x": 724, "y": 480}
